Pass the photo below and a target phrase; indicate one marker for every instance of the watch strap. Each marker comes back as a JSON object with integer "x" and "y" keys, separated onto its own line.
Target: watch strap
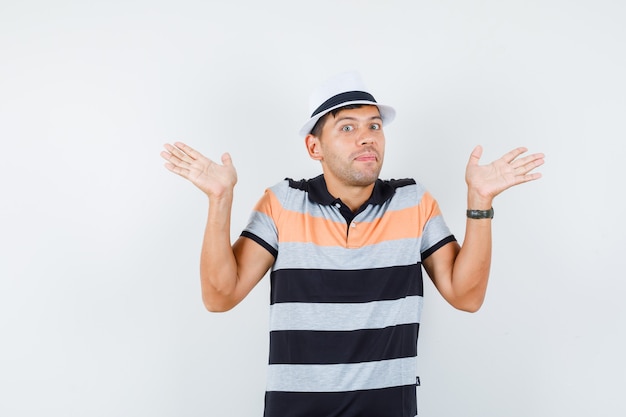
{"x": 480, "y": 214}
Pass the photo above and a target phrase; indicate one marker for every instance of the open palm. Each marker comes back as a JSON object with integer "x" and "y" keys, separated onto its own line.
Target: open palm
{"x": 212, "y": 178}
{"x": 501, "y": 174}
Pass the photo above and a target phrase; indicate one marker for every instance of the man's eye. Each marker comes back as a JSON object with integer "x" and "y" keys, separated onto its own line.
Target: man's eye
{"x": 347, "y": 128}
{"x": 375, "y": 126}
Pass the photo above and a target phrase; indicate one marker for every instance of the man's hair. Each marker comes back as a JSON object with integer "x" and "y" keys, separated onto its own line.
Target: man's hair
{"x": 319, "y": 125}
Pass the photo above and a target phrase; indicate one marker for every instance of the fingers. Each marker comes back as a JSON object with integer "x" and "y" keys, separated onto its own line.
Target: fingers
{"x": 528, "y": 163}
{"x": 183, "y": 159}
{"x": 179, "y": 158}
{"x": 177, "y": 170}
{"x": 531, "y": 177}
{"x": 181, "y": 153}
{"x": 511, "y": 155}
{"x": 523, "y": 167}
{"x": 188, "y": 150}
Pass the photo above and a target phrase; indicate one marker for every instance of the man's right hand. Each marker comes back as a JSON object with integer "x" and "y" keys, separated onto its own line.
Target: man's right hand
{"x": 215, "y": 180}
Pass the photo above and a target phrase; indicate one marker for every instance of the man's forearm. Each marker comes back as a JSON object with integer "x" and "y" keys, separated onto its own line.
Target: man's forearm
{"x": 218, "y": 266}
{"x": 472, "y": 265}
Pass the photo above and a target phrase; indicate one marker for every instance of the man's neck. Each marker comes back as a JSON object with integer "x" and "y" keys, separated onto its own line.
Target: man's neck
{"x": 352, "y": 196}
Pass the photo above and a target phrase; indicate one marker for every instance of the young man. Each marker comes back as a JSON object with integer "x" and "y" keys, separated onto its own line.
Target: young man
{"x": 346, "y": 251}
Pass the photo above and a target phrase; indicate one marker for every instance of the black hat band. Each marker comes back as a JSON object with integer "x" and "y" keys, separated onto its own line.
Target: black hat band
{"x": 343, "y": 98}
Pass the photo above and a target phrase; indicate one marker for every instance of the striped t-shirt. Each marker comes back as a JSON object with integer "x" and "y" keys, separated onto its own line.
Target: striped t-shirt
{"x": 346, "y": 296}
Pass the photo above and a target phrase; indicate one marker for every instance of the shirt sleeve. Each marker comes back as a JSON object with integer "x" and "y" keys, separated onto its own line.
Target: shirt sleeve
{"x": 261, "y": 225}
{"x": 436, "y": 232}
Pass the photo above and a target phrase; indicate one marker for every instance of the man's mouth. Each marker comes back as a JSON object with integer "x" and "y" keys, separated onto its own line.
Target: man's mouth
{"x": 368, "y": 157}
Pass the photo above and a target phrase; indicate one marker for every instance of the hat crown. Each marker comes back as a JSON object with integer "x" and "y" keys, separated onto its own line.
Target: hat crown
{"x": 340, "y": 83}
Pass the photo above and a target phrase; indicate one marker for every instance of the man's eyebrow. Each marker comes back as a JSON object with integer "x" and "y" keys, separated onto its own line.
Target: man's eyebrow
{"x": 342, "y": 118}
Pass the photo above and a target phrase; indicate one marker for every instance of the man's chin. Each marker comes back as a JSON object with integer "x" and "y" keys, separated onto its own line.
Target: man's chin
{"x": 365, "y": 180}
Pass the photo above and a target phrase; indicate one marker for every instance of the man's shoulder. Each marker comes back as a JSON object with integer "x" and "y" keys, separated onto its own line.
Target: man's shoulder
{"x": 399, "y": 183}
{"x": 403, "y": 186}
{"x": 289, "y": 188}
{"x": 404, "y": 192}
{"x": 287, "y": 182}
{"x": 304, "y": 184}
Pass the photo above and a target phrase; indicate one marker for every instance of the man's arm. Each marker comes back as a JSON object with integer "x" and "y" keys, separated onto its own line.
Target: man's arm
{"x": 228, "y": 273}
{"x": 460, "y": 273}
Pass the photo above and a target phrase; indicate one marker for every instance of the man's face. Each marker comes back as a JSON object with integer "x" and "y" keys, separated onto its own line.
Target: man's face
{"x": 352, "y": 146}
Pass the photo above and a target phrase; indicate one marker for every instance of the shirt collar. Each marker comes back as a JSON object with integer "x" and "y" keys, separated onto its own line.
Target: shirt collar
{"x": 318, "y": 192}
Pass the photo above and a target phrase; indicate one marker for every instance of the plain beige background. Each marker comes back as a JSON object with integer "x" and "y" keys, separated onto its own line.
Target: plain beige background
{"x": 100, "y": 310}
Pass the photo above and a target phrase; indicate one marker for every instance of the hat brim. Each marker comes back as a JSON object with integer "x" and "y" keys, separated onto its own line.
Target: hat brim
{"x": 387, "y": 113}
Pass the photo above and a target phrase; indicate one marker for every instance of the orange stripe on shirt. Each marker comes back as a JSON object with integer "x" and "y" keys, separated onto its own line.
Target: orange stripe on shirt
{"x": 394, "y": 225}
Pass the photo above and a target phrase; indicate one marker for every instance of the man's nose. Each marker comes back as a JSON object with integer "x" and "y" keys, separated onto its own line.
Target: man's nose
{"x": 366, "y": 138}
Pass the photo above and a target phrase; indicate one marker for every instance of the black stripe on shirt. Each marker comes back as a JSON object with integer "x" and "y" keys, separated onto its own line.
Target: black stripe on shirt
{"x": 307, "y": 347}
{"x": 398, "y": 401}
{"x": 345, "y": 286}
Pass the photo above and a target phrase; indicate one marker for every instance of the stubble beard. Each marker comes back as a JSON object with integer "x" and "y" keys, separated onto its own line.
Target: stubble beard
{"x": 350, "y": 175}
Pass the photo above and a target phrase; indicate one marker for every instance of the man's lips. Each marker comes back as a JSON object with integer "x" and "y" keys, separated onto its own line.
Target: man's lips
{"x": 366, "y": 157}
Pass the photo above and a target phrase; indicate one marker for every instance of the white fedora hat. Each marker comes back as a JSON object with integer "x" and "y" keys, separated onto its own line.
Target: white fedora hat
{"x": 341, "y": 90}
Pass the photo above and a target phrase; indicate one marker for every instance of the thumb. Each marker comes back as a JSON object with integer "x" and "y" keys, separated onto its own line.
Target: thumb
{"x": 475, "y": 156}
{"x": 227, "y": 160}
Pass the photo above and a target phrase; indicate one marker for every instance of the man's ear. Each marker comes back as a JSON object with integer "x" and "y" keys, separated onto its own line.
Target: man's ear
{"x": 313, "y": 147}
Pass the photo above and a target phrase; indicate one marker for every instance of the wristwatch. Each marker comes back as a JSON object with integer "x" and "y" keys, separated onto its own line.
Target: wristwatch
{"x": 480, "y": 214}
